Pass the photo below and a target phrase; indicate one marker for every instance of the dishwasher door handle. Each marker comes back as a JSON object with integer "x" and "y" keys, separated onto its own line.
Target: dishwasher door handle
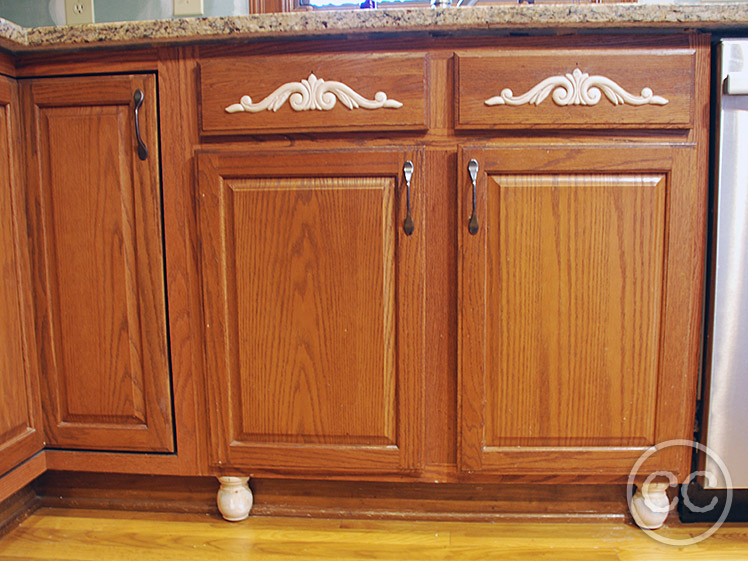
{"x": 736, "y": 83}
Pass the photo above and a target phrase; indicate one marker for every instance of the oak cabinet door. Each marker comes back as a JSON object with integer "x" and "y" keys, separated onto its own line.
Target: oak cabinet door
{"x": 20, "y": 437}
{"x": 575, "y": 314}
{"x": 99, "y": 266}
{"x": 313, "y": 309}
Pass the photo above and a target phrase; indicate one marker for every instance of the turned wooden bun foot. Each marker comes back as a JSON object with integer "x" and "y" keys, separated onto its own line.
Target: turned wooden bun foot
{"x": 234, "y": 498}
{"x": 650, "y": 505}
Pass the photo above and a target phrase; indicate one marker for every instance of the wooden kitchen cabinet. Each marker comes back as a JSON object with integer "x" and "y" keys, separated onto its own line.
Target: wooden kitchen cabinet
{"x": 20, "y": 416}
{"x": 575, "y": 325}
{"x": 313, "y": 309}
{"x": 95, "y": 207}
{"x": 313, "y": 337}
{"x": 580, "y": 291}
{"x": 568, "y": 307}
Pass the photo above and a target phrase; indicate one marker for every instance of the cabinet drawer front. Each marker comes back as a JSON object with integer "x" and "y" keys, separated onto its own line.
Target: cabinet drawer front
{"x": 575, "y": 88}
{"x": 305, "y": 93}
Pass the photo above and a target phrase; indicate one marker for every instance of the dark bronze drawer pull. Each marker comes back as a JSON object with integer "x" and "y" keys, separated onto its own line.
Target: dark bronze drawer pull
{"x": 142, "y": 150}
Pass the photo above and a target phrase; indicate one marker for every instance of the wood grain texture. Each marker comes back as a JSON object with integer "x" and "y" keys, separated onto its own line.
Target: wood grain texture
{"x": 178, "y": 117}
{"x": 679, "y": 393}
{"x": 99, "y": 264}
{"x": 270, "y": 6}
{"x": 223, "y": 81}
{"x": 424, "y": 501}
{"x": 19, "y": 393}
{"x": 22, "y": 475}
{"x": 33, "y": 65}
{"x": 669, "y": 73}
{"x": 440, "y": 441}
{"x": 575, "y": 266}
{"x": 574, "y": 296}
{"x": 15, "y": 415}
{"x": 16, "y": 508}
{"x": 338, "y": 499}
{"x": 316, "y": 363}
{"x": 7, "y": 65}
{"x": 179, "y": 81}
{"x": 176, "y": 79}
{"x": 313, "y": 310}
{"x": 89, "y": 535}
{"x": 128, "y": 492}
{"x": 446, "y": 45}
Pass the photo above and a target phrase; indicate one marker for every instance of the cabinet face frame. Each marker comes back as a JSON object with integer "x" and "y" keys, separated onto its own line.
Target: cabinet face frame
{"x": 679, "y": 319}
{"x": 25, "y": 438}
{"x": 136, "y": 365}
{"x": 295, "y": 453}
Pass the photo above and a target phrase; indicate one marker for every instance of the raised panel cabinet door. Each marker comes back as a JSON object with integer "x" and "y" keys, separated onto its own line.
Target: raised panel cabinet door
{"x": 99, "y": 266}
{"x": 313, "y": 309}
{"x": 20, "y": 437}
{"x": 572, "y": 315}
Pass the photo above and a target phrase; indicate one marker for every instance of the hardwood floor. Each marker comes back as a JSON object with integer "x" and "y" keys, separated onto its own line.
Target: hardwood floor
{"x": 68, "y": 534}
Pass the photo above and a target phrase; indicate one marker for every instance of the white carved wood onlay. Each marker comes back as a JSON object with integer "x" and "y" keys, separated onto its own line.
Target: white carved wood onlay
{"x": 577, "y": 88}
{"x": 313, "y": 94}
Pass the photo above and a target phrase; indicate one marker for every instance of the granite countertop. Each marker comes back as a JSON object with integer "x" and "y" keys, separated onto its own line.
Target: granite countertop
{"x": 322, "y": 23}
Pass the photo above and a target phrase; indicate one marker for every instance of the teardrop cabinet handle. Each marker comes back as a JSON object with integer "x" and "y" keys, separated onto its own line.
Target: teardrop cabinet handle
{"x": 138, "y": 98}
{"x": 473, "y": 225}
{"x": 408, "y": 225}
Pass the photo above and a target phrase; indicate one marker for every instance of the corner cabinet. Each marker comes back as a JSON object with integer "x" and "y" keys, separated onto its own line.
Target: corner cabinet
{"x": 313, "y": 309}
{"x": 97, "y": 253}
{"x": 20, "y": 413}
{"x": 573, "y": 353}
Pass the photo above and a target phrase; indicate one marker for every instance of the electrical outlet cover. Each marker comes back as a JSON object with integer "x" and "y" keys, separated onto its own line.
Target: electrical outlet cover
{"x": 79, "y": 11}
{"x": 188, "y": 7}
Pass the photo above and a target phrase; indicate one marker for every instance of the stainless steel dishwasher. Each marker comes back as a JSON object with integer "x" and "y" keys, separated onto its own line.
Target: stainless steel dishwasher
{"x": 726, "y": 397}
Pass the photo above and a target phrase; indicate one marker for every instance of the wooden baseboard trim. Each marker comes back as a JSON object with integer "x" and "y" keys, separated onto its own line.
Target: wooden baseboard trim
{"x": 382, "y": 514}
{"x": 16, "y": 508}
{"x": 431, "y": 501}
{"x": 22, "y": 475}
{"x": 340, "y": 499}
{"x": 156, "y": 464}
{"x": 144, "y": 493}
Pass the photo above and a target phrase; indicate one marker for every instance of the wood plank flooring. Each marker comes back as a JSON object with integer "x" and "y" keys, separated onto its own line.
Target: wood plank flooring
{"x": 83, "y": 535}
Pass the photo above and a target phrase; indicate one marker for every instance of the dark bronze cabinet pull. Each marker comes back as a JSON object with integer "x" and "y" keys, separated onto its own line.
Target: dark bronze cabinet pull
{"x": 408, "y": 225}
{"x": 142, "y": 150}
{"x": 473, "y": 171}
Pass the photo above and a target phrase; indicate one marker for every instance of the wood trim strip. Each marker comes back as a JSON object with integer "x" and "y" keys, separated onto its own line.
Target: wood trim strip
{"x": 340, "y": 499}
{"x": 22, "y": 475}
{"x": 16, "y": 508}
{"x": 178, "y": 113}
{"x": 7, "y": 65}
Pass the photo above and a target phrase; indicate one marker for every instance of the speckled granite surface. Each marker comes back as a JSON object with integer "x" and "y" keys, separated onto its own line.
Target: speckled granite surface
{"x": 406, "y": 20}
{"x": 12, "y": 35}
